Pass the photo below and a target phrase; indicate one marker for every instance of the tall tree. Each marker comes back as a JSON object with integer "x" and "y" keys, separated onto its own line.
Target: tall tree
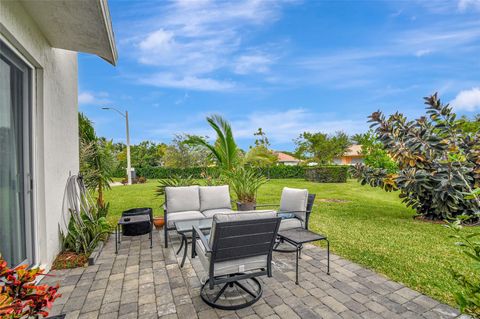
{"x": 260, "y": 154}
{"x": 180, "y": 154}
{"x": 320, "y": 147}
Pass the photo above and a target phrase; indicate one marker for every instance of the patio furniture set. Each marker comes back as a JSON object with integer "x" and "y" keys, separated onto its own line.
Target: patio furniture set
{"x": 234, "y": 247}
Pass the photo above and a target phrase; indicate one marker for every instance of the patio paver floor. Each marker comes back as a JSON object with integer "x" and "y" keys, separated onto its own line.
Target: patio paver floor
{"x": 141, "y": 282}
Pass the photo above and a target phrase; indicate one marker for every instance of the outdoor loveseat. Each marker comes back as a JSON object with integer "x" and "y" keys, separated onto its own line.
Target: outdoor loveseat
{"x": 194, "y": 202}
{"x": 199, "y": 202}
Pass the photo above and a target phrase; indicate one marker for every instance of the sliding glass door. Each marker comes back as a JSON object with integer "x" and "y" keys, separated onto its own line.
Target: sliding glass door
{"x": 15, "y": 162}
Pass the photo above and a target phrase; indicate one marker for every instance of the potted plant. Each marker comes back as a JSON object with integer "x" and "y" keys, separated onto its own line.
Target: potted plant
{"x": 245, "y": 183}
{"x": 20, "y": 297}
{"x": 158, "y": 222}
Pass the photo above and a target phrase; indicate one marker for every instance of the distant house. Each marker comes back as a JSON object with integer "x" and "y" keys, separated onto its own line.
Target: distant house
{"x": 351, "y": 157}
{"x": 286, "y": 159}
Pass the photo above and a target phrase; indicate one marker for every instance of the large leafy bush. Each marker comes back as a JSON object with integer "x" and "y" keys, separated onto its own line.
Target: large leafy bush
{"x": 20, "y": 296}
{"x": 468, "y": 299}
{"x": 438, "y": 161}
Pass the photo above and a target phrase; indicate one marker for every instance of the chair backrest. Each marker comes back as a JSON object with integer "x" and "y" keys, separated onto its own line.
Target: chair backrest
{"x": 214, "y": 197}
{"x": 237, "y": 236}
{"x": 311, "y": 200}
{"x": 294, "y": 200}
{"x": 182, "y": 198}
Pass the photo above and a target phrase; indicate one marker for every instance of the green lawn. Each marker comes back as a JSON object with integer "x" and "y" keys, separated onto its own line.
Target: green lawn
{"x": 372, "y": 228}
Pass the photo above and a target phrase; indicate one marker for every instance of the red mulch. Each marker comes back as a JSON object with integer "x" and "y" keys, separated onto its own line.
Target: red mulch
{"x": 68, "y": 259}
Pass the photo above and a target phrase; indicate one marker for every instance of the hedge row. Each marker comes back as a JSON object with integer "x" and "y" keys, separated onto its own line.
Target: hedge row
{"x": 323, "y": 174}
{"x": 327, "y": 174}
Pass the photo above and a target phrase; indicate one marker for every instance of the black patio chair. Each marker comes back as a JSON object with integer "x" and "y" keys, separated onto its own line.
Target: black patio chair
{"x": 239, "y": 250}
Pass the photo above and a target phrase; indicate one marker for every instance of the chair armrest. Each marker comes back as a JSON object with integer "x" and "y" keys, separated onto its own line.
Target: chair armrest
{"x": 265, "y": 205}
{"x": 196, "y": 231}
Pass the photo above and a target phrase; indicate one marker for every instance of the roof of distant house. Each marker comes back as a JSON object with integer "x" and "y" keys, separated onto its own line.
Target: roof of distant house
{"x": 282, "y": 157}
{"x": 354, "y": 150}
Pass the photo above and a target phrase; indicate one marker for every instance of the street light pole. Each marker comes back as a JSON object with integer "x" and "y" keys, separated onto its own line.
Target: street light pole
{"x": 129, "y": 168}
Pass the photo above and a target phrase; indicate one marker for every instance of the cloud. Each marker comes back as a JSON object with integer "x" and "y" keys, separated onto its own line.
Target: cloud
{"x": 187, "y": 82}
{"x": 467, "y": 100}
{"x": 87, "y": 97}
{"x": 195, "y": 39}
{"x": 253, "y": 63}
{"x": 465, "y": 5}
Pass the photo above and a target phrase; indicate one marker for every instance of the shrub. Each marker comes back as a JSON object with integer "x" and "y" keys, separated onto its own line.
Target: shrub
{"x": 438, "y": 162}
{"x": 327, "y": 174}
{"x": 20, "y": 297}
{"x": 141, "y": 180}
{"x": 283, "y": 171}
{"x": 468, "y": 300}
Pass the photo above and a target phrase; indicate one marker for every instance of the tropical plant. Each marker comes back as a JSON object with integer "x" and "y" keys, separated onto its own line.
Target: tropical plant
{"x": 97, "y": 159}
{"x": 245, "y": 183}
{"x": 438, "y": 163}
{"x": 468, "y": 299}
{"x": 225, "y": 150}
{"x": 87, "y": 223}
{"x": 321, "y": 148}
{"x": 174, "y": 181}
{"x": 20, "y": 297}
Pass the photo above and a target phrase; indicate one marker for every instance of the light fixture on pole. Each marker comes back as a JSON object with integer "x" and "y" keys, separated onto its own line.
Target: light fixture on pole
{"x": 125, "y": 115}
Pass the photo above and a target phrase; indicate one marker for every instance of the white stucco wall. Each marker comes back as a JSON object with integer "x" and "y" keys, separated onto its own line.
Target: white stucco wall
{"x": 55, "y": 122}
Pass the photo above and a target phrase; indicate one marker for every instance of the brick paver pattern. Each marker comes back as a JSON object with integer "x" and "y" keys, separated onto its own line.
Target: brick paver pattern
{"x": 141, "y": 282}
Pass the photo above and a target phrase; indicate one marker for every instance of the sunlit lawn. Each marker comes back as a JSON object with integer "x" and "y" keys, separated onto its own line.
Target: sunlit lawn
{"x": 372, "y": 228}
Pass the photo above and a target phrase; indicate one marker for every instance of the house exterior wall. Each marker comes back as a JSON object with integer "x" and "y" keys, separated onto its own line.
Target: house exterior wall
{"x": 54, "y": 123}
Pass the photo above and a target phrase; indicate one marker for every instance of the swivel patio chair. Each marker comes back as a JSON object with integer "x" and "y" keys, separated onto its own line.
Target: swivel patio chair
{"x": 239, "y": 250}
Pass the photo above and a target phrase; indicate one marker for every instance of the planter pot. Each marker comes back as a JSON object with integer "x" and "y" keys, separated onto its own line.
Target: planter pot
{"x": 246, "y": 206}
{"x": 158, "y": 222}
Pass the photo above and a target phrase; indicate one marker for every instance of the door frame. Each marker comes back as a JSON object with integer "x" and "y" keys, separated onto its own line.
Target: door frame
{"x": 28, "y": 151}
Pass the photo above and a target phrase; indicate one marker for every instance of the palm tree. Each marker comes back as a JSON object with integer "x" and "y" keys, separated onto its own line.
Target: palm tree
{"x": 96, "y": 159}
{"x": 225, "y": 149}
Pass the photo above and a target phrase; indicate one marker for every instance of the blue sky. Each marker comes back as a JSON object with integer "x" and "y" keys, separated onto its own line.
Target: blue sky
{"x": 285, "y": 66}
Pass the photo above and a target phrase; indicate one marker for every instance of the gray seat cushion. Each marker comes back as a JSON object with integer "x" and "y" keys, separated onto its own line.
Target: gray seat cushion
{"x": 290, "y": 223}
{"x": 173, "y": 217}
{"x": 231, "y": 266}
{"x": 294, "y": 200}
{"x": 181, "y": 199}
{"x": 214, "y": 197}
{"x": 212, "y": 212}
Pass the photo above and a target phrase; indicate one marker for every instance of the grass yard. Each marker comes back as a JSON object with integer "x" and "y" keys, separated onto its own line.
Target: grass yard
{"x": 372, "y": 228}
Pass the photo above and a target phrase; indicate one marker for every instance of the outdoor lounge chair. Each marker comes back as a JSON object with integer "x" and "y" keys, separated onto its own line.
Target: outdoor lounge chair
{"x": 238, "y": 250}
{"x": 194, "y": 202}
{"x": 295, "y": 208}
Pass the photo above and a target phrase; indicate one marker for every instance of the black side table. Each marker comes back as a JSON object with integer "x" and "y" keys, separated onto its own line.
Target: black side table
{"x": 299, "y": 236}
{"x": 129, "y": 220}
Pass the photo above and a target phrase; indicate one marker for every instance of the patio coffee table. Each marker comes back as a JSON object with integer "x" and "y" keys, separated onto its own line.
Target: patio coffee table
{"x": 184, "y": 227}
{"x": 129, "y": 220}
{"x": 299, "y": 236}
